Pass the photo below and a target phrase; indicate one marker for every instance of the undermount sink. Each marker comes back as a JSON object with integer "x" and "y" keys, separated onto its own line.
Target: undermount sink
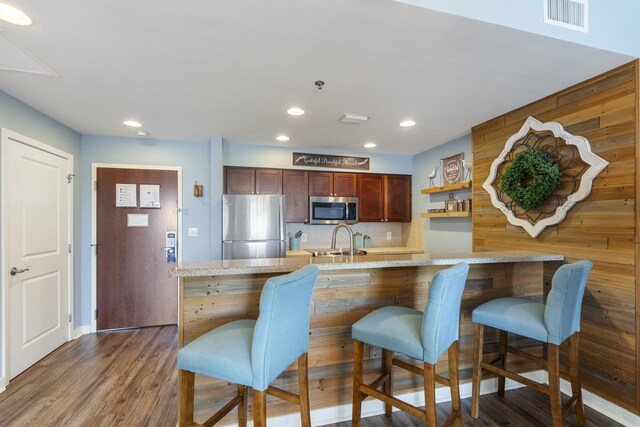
{"x": 334, "y": 252}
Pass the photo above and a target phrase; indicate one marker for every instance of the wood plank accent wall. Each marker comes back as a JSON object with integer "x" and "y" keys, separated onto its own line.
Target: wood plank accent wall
{"x": 602, "y": 228}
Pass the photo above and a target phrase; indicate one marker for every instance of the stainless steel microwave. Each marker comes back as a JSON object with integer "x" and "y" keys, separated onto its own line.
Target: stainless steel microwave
{"x": 333, "y": 210}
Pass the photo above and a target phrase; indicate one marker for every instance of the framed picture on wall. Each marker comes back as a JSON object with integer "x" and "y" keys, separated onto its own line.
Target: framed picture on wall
{"x": 451, "y": 168}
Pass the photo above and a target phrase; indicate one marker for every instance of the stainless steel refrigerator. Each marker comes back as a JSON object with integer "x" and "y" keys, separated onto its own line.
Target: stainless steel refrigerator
{"x": 253, "y": 226}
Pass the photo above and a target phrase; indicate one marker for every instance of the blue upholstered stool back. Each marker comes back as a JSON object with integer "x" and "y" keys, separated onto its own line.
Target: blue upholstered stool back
{"x": 564, "y": 302}
{"x": 441, "y": 319}
{"x": 281, "y": 333}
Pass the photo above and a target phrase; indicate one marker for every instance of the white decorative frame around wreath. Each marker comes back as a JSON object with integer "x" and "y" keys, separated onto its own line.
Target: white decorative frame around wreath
{"x": 595, "y": 162}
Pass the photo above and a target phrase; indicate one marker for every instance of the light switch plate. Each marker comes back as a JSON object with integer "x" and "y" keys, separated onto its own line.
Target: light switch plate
{"x": 192, "y": 232}
{"x": 388, "y": 235}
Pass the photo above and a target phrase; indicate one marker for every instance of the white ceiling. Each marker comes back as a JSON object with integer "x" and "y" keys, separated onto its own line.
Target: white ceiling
{"x": 193, "y": 69}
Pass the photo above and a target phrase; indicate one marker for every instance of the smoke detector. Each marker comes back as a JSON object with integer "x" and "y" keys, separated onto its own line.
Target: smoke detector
{"x": 353, "y": 118}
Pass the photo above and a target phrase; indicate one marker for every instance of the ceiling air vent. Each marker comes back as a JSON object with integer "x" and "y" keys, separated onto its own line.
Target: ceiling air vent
{"x": 571, "y": 14}
{"x": 353, "y": 118}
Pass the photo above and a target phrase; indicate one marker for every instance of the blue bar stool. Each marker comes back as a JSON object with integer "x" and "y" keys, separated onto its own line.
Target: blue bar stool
{"x": 423, "y": 336}
{"x": 553, "y": 324}
{"x": 252, "y": 353}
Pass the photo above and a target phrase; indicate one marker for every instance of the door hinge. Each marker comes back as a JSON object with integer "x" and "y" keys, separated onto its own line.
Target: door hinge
{"x": 69, "y": 247}
{"x": 70, "y": 177}
{"x": 95, "y": 185}
{"x": 69, "y": 317}
{"x": 95, "y": 313}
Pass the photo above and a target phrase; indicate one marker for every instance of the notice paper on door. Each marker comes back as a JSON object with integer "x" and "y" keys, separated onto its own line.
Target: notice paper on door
{"x": 137, "y": 220}
{"x": 149, "y": 196}
{"x": 126, "y": 196}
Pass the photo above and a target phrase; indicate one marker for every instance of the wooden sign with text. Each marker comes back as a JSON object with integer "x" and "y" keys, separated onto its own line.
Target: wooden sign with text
{"x": 330, "y": 161}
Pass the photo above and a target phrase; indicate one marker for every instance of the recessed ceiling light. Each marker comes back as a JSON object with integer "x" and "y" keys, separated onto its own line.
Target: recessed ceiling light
{"x": 132, "y": 123}
{"x": 295, "y": 111}
{"x": 282, "y": 138}
{"x": 370, "y": 145}
{"x": 407, "y": 123}
{"x": 13, "y": 15}
{"x": 142, "y": 133}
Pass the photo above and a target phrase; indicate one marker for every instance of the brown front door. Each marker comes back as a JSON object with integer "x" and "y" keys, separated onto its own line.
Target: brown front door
{"x": 133, "y": 287}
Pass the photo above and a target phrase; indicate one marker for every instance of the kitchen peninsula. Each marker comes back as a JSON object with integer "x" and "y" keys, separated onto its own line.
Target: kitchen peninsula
{"x": 216, "y": 292}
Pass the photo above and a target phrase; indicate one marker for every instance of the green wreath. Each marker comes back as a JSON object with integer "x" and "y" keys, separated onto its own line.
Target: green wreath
{"x": 530, "y": 179}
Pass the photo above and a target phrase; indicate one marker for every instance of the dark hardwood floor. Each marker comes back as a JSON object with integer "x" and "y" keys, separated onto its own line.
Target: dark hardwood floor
{"x": 520, "y": 407}
{"x": 123, "y": 378}
{"x": 129, "y": 378}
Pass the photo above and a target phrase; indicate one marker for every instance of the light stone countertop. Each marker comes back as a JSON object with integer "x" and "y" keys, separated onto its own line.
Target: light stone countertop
{"x": 393, "y": 250}
{"x": 285, "y": 265}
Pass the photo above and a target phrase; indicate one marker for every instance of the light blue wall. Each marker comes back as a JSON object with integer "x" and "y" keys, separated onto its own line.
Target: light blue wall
{"x": 281, "y": 157}
{"x": 441, "y": 234}
{"x": 193, "y": 157}
{"x": 613, "y": 24}
{"x": 216, "y": 197}
{"x": 21, "y": 118}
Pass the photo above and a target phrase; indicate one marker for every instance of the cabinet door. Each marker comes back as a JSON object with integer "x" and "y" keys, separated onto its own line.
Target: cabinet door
{"x": 268, "y": 181}
{"x": 370, "y": 200}
{"x": 345, "y": 185}
{"x": 295, "y": 187}
{"x": 239, "y": 180}
{"x": 397, "y": 198}
{"x": 320, "y": 183}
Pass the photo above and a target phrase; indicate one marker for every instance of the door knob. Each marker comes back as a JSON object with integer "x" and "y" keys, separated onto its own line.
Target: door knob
{"x": 15, "y": 271}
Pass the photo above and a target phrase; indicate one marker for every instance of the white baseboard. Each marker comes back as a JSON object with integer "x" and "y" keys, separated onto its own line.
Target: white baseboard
{"x": 82, "y": 330}
{"x": 336, "y": 414}
{"x": 3, "y": 384}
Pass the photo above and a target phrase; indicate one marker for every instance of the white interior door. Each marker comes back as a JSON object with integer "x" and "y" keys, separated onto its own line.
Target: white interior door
{"x": 37, "y": 259}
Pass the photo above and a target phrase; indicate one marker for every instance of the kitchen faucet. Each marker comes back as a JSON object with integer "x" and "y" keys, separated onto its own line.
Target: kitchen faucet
{"x": 335, "y": 231}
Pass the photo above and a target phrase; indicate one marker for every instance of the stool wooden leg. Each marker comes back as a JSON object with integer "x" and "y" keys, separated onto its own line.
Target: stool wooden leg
{"x": 502, "y": 352}
{"x": 185, "y": 408}
{"x": 388, "y": 386}
{"x": 430, "y": 394}
{"x": 574, "y": 373}
{"x": 242, "y": 406}
{"x": 553, "y": 364}
{"x": 303, "y": 387}
{"x": 478, "y": 342}
{"x": 452, "y": 355}
{"x": 259, "y": 408}
{"x": 358, "y": 348}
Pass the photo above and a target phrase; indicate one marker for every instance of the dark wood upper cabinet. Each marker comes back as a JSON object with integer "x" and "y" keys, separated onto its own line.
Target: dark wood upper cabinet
{"x": 345, "y": 185}
{"x": 239, "y": 181}
{"x": 370, "y": 197}
{"x": 295, "y": 187}
{"x": 320, "y": 184}
{"x": 333, "y": 184}
{"x": 252, "y": 181}
{"x": 382, "y": 198}
{"x": 268, "y": 181}
{"x": 397, "y": 198}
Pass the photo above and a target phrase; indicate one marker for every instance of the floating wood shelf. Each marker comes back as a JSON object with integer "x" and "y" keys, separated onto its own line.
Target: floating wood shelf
{"x": 462, "y": 214}
{"x": 458, "y": 186}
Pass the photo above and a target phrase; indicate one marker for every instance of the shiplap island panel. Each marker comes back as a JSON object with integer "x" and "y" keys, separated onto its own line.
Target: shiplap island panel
{"x": 213, "y": 293}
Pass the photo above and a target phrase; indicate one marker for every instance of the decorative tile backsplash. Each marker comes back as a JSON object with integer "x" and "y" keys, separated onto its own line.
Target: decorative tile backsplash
{"x": 319, "y": 236}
